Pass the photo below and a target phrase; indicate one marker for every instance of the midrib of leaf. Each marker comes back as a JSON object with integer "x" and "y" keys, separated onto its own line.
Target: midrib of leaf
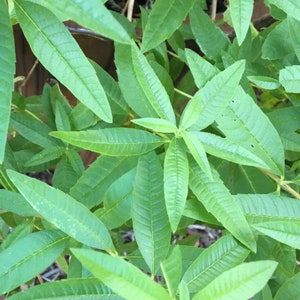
{"x": 248, "y": 179}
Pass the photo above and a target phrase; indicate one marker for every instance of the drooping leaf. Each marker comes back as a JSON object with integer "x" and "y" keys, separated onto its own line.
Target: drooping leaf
{"x": 223, "y": 255}
{"x": 77, "y": 289}
{"x": 70, "y": 216}
{"x": 289, "y": 290}
{"x": 151, "y": 85}
{"x": 176, "y": 179}
{"x": 240, "y": 13}
{"x": 218, "y": 201}
{"x": 291, "y": 7}
{"x": 122, "y": 277}
{"x": 156, "y": 125}
{"x": 239, "y": 283}
{"x": 28, "y": 256}
{"x": 289, "y": 77}
{"x": 149, "y": 216}
{"x": 7, "y": 70}
{"x": 164, "y": 18}
{"x": 56, "y": 49}
{"x": 112, "y": 141}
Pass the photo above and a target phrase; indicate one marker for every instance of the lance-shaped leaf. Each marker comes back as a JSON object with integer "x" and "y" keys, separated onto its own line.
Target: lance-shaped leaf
{"x": 210, "y": 38}
{"x": 217, "y": 200}
{"x": 163, "y": 20}
{"x": 77, "y": 289}
{"x": 289, "y": 289}
{"x": 28, "y": 256}
{"x": 112, "y": 141}
{"x": 70, "y": 216}
{"x": 291, "y": 7}
{"x": 197, "y": 150}
{"x": 7, "y": 70}
{"x": 223, "y": 255}
{"x": 149, "y": 216}
{"x": 265, "y": 82}
{"x": 286, "y": 232}
{"x": 240, "y": 13}
{"x": 176, "y": 180}
{"x": 56, "y": 49}
{"x": 245, "y": 124}
{"x": 289, "y": 77}
{"x": 151, "y": 85}
{"x": 156, "y": 125}
{"x": 241, "y": 282}
{"x": 122, "y": 277}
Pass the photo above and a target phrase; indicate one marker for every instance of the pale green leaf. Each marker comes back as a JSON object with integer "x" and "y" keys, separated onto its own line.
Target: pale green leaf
{"x": 151, "y": 85}
{"x": 210, "y": 38}
{"x": 289, "y": 77}
{"x": 70, "y": 216}
{"x": 291, "y": 7}
{"x": 77, "y": 289}
{"x": 112, "y": 141}
{"x": 164, "y": 18}
{"x": 197, "y": 150}
{"x": 156, "y": 125}
{"x": 95, "y": 180}
{"x": 240, "y": 13}
{"x": 81, "y": 117}
{"x": 223, "y": 255}
{"x": 294, "y": 27}
{"x": 122, "y": 277}
{"x": 244, "y": 123}
{"x": 7, "y": 70}
{"x": 28, "y": 256}
{"x": 265, "y": 82}
{"x": 56, "y": 49}
{"x": 239, "y": 283}
{"x": 286, "y": 232}
{"x": 290, "y": 289}
{"x": 176, "y": 179}
{"x": 149, "y": 216}
{"x": 62, "y": 121}
{"x": 217, "y": 200}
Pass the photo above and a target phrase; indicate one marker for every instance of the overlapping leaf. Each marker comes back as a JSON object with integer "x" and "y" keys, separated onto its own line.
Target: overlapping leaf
{"x": 157, "y": 125}
{"x": 291, "y": 7}
{"x": 289, "y": 77}
{"x": 290, "y": 289}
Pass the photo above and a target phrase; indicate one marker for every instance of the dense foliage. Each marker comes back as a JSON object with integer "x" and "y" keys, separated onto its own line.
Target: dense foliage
{"x": 185, "y": 136}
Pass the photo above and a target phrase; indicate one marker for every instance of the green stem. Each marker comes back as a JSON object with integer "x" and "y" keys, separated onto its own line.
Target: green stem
{"x": 182, "y": 93}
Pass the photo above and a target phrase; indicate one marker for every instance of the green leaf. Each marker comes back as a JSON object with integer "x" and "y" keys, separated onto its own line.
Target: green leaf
{"x": 265, "y": 82}
{"x": 164, "y": 18}
{"x": 70, "y": 216}
{"x": 223, "y": 255}
{"x": 28, "y": 256}
{"x": 151, "y": 85}
{"x": 77, "y": 289}
{"x": 123, "y": 278}
{"x": 61, "y": 118}
{"x": 7, "y": 70}
{"x": 239, "y": 283}
{"x": 197, "y": 150}
{"x": 95, "y": 180}
{"x": 81, "y": 117}
{"x": 289, "y": 77}
{"x": 112, "y": 141}
{"x": 294, "y": 27}
{"x": 245, "y": 124}
{"x": 286, "y": 232}
{"x": 156, "y": 125}
{"x": 218, "y": 201}
{"x": 291, "y": 7}
{"x": 176, "y": 180}
{"x": 290, "y": 289}
{"x": 149, "y": 215}
{"x": 56, "y": 49}
{"x": 240, "y": 13}
{"x": 208, "y": 35}
{"x": 171, "y": 268}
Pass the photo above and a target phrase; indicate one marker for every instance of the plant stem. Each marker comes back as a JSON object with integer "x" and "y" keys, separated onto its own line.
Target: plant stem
{"x": 182, "y": 93}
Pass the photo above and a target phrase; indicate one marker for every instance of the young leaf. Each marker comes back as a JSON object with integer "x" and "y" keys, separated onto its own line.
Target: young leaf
{"x": 149, "y": 215}
{"x": 112, "y": 141}
{"x": 156, "y": 125}
{"x": 286, "y": 232}
{"x": 28, "y": 256}
{"x": 208, "y": 35}
{"x": 164, "y": 18}
{"x": 151, "y": 85}
{"x": 218, "y": 201}
{"x": 240, "y": 13}
{"x": 61, "y": 118}
{"x": 223, "y": 255}
{"x": 289, "y": 77}
{"x": 176, "y": 180}
{"x": 290, "y": 289}
{"x": 291, "y": 7}
{"x": 77, "y": 289}
{"x": 239, "y": 283}
{"x": 7, "y": 70}
{"x": 56, "y": 49}
{"x": 70, "y": 216}
{"x": 122, "y": 277}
